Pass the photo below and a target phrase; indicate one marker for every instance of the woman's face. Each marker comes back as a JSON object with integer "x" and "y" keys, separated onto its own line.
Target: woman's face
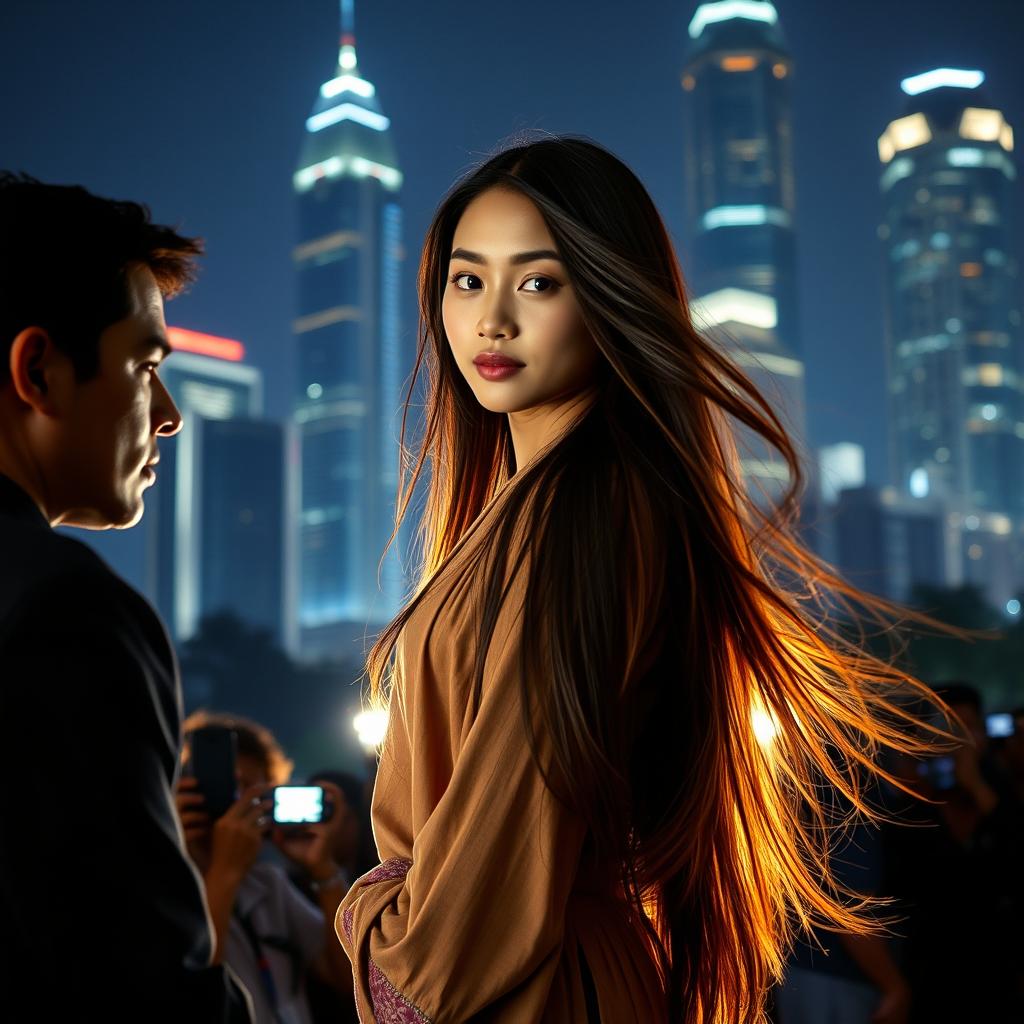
{"x": 508, "y": 298}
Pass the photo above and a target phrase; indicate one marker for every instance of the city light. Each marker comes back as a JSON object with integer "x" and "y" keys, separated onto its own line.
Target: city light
{"x": 347, "y": 112}
{"x": 971, "y": 156}
{"x": 1013, "y": 607}
{"x": 903, "y": 133}
{"x": 896, "y": 171}
{"x": 337, "y": 166}
{"x": 981, "y": 125}
{"x": 942, "y": 78}
{"x": 205, "y": 344}
{"x": 370, "y": 727}
{"x": 739, "y": 63}
{"x": 919, "y": 483}
{"x": 744, "y": 216}
{"x": 737, "y": 305}
{"x": 347, "y": 83}
{"x": 726, "y": 10}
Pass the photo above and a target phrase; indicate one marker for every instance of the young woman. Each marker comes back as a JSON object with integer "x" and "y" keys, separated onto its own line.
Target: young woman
{"x": 611, "y": 705}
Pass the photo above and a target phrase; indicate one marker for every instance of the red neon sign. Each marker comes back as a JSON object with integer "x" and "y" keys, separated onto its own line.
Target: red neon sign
{"x": 205, "y": 344}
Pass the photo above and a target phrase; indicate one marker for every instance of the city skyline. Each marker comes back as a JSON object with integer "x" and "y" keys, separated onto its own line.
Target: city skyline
{"x": 423, "y": 63}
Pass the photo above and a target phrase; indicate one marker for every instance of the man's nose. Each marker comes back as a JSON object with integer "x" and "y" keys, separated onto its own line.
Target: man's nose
{"x": 167, "y": 419}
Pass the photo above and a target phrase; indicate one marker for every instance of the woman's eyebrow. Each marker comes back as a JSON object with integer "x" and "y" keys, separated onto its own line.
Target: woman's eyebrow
{"x": 520, "y": 257}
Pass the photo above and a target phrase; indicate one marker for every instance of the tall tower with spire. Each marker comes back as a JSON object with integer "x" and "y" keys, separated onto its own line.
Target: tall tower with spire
{"x": 741, "y": 208}
{"x": 349, "y": 364}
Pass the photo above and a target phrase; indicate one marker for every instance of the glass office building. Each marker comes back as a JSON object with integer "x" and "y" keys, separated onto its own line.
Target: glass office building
{"x": 348, "y": 350}
{"x": 215, "y": 528}
{"x": 951, "y": 294}
{"x": 741, "y": 209}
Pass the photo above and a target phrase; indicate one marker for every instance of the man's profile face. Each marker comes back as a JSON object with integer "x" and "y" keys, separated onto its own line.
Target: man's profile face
{"x": 111, "y": 424}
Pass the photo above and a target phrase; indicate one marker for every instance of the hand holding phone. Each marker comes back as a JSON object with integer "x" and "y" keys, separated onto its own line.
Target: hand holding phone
{"x": 212, "y": 752}
{"x": 300, "y": 806}
{"x": 305, "y": 823}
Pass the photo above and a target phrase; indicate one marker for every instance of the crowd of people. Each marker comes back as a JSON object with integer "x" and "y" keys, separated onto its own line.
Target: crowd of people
{"x": 949, "y": 861}
{"x": 273, "y": 890}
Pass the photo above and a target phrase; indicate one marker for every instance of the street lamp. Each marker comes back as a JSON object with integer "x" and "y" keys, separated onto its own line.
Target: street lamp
{"x": 370, "y": 727}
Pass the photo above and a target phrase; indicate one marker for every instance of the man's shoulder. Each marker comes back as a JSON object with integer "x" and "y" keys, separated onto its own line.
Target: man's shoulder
{"x": 53, "y": 575}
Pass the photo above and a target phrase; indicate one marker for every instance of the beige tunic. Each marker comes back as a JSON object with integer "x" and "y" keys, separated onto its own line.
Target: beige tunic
{"x": 486, "y": 889}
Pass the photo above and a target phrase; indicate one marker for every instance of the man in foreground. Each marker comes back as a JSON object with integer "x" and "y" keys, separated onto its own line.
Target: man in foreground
{"x": 103, "y": 914}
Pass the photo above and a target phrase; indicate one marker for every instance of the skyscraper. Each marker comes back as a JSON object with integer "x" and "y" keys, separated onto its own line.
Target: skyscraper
{"x": 952, "y": 306}
{"x": 741, "y": 206}
{"x": 216, "y": 528}
{"x": 350, "y": 366}
{"x": 953, "y": 320}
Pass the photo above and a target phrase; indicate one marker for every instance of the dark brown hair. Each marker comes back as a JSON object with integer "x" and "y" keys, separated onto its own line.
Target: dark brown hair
{"x": 697, "y": 694}
{"x": 64, "y": 257}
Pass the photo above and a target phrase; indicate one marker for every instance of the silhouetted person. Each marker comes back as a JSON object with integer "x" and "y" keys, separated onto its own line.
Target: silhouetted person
{"x": 957, "y": 874}
{"x": 103, "y": 914}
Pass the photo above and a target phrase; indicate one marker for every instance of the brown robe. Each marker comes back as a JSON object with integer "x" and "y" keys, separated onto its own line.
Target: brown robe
{"x": 485, "y": 894}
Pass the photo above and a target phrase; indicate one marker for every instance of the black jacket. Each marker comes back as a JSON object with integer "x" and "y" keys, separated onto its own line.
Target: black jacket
{"x": 101, "y": 913}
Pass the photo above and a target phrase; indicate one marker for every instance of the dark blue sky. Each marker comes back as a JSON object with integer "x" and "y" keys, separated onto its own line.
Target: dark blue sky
{"x": 198, "y": 106}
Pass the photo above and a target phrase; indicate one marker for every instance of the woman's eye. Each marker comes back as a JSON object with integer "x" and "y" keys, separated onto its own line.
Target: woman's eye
{"x": 460, "y": 281}
{"x": 544, "y": 284}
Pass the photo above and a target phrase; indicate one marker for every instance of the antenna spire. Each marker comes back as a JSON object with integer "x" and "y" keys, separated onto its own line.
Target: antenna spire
{"x": 347, "y": 53}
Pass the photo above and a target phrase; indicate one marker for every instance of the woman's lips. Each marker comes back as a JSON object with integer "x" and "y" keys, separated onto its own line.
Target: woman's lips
{"x": 495, "y": 366}
{"x": 500, "y": 371}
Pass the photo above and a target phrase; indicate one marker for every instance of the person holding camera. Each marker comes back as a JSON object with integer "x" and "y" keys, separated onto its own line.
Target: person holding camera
{"x": 264, "y": 928}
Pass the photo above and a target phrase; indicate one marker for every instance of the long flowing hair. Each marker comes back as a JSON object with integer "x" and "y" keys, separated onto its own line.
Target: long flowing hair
{"x": 699, "y": 695}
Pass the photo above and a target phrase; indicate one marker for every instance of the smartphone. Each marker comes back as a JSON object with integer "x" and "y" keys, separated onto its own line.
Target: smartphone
{"x": 300, "y": 805}
{"x": 212, "y": 751}
{"x": 999, "y": 725}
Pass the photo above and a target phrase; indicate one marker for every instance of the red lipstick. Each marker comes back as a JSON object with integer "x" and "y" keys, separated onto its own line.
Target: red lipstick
{"x": 495, "y": 366}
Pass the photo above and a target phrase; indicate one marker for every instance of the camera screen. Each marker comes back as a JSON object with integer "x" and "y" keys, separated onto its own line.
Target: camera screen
{"x": 296, "y": 805}
{"x": 999, "y": 725}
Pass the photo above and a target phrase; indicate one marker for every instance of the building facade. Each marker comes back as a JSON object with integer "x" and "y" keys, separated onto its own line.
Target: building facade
{"x": 953, "y": 320}
{"x": 741, "y": 209}
{"x": 215, "y": 538}
{"x": 953, "y": 338}
{"x": 350, "y": 366}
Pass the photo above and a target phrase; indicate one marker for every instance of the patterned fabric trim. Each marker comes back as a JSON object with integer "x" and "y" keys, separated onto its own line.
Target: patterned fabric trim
{"x": 393, "y": 867}
{"x": 389, "y": 1005}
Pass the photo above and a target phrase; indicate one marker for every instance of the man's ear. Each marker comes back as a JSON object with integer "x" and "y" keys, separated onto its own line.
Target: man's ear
{"x": 35, "y": 364}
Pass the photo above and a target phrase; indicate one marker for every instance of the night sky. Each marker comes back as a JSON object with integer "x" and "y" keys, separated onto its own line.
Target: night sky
{"x": 198, "y": 109}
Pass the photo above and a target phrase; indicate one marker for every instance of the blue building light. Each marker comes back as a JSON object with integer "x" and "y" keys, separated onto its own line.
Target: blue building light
{"x": 348, "y": 112}
{"x": 941, "y": 78}
{"x": 726, "y": 10}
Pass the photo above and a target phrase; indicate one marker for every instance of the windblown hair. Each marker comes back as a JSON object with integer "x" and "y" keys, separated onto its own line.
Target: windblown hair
{"x": 682, "y": 647}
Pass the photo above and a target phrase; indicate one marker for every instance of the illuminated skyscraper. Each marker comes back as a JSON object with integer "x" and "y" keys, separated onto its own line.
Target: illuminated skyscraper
{"x": 741, "y": 205}
{"x": 953, "y": 320}
{"x": 350, "y": 366}
{"x": 216, "y": 526}
{"x": 952, "y": 307}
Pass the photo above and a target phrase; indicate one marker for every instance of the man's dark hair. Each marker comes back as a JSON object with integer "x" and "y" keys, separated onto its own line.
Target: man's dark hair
{"x": 64, "y": 259}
